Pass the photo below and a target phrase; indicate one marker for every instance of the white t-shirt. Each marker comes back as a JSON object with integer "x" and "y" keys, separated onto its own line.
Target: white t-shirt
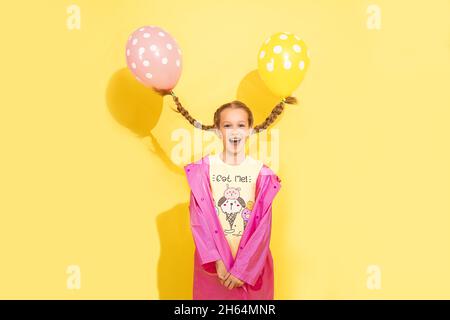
{"x": 233, "y": 189}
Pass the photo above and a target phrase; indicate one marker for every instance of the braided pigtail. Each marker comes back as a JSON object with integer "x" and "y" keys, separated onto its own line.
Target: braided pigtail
{"x": 180, "y": 109}
{"x": 276, "y": 111}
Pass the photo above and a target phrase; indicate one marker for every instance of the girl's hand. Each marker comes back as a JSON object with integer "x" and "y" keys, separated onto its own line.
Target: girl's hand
{"x": 221, "y": 271}
{"x": 232, "y": 282}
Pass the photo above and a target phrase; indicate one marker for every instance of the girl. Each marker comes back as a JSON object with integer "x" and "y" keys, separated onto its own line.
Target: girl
{"x": 231, "y": 209}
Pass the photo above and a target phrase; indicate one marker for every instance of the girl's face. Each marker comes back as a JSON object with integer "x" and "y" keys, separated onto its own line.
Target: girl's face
{"x": 233, "y": 129}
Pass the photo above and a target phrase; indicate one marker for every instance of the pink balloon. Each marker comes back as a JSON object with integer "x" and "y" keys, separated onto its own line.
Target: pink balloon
{"x": 154, "y": 57}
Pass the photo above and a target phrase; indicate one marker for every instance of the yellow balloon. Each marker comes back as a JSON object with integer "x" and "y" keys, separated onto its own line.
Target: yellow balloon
{"x": 282, "y": 63}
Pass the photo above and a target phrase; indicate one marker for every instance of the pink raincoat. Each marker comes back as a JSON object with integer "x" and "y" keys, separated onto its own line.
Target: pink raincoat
{"x": 253, "y": 263}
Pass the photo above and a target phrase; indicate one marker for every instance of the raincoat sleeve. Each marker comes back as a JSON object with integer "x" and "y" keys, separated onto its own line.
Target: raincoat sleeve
{"x": 251, "y": 259}
{"x": 202, "y": 235}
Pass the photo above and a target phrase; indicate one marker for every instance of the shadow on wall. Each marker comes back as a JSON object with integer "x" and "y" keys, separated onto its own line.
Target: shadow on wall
{"x": 176, "y": 261}
{"x": 254, "y": 93}
{"x": 138, "y": 109}
{"x": 131, "y": 104}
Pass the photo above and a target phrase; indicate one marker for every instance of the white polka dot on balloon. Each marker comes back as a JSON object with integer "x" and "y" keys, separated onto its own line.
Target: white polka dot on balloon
{"x": 287, "y": 64}
{"x": 146, "y": 35}
{"x": 164, "y": 60}
{"x": 270, "y": 66}
{"x": 177, "y": 63}
{"x": 135, "y": 40}
{"x": 146, "y": 63}
{"x": 161, "y": 34}
{"x": 262, "y": 54}
{"x": 128, "y": 52}
{"x": 153, "y": 47}
{"x": 141, "y": 52}
{"x": 169, "y": 46}
{"x": 277, "y": 49}
{"x": 133, "y": 65}
{"x": 148, "y": 75}
{"x": 296, "y": 48}
{"x": 283, "y": 37}
{"x": 301, "y": 64}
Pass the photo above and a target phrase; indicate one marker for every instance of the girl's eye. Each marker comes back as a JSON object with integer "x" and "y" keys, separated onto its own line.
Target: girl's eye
{"x": 242, "y": 125}
{"x": 226, "y": 126}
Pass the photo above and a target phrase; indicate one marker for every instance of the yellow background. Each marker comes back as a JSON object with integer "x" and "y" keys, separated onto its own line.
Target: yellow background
{"x": 87, "y": 172}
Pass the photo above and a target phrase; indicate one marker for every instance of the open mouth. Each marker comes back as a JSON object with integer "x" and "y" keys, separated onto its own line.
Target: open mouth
{"x": 235, "y": 140}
